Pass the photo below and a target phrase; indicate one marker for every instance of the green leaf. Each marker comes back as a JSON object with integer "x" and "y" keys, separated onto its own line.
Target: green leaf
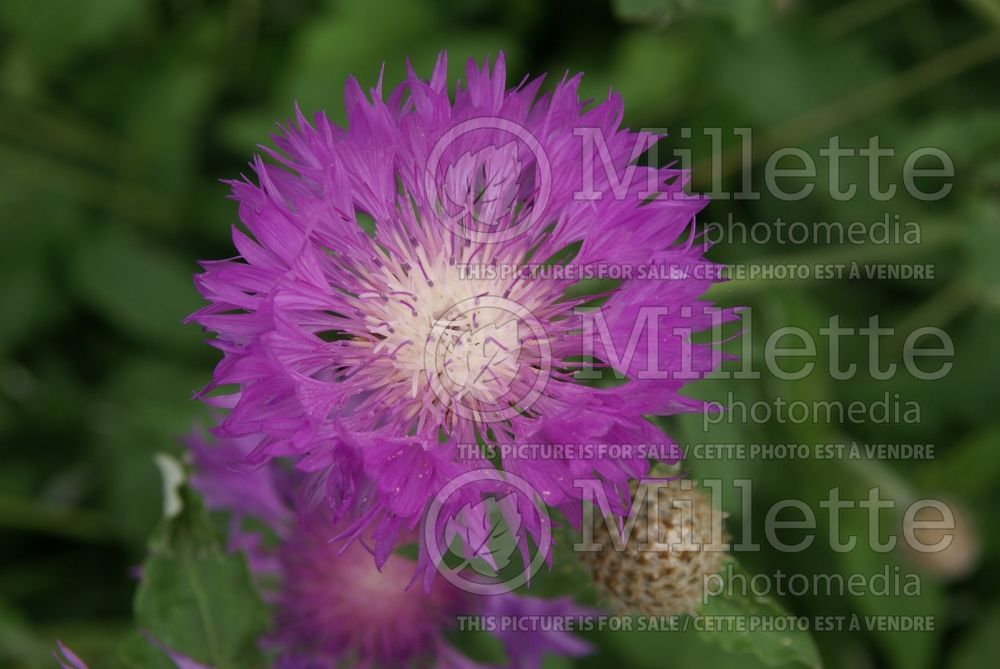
{"x": 19, "y": 644}
{"x": 647, "y": 650}
{"x": 988, "y": 9}
{"x": 161, "y": 134}
{"x": 145, "y": 404}
{"x": 982, "y": 238}
{"x": 340, "y": 42}
{"x": 970, "y": 460}
{"x": 646, "y": 11}
{"x": 905, "y": 649}
{"x": 745, "y": 14}
{"x": 54, "y": 32}
{"x": 33, "y": 300}
{"x": 195, "y": 598}
{"x": 23, "y": 307}
{"x": 982, "y": 647}
{"x": 143, "y": 291}
{"x": 653, "y": 94}
{"x": 771, "y": 647}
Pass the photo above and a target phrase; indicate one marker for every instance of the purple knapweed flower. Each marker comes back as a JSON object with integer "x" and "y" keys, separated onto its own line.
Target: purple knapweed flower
{"x": 379, "y": 320}
{"x": 333, "y": 607}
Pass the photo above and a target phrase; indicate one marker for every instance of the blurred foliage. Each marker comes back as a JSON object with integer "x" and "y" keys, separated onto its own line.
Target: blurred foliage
{"x": 118, "y": 118}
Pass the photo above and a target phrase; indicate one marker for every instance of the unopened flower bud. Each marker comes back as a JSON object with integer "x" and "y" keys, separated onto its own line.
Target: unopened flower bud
{"x": 942, "y": 539}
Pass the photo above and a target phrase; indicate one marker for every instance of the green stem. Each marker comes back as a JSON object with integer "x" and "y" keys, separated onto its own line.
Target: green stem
{"x": 124, "y": 199}
{"x": 941, "y": 308}
{"x": 58, "y": 132}
{"x": 852, "y": 15}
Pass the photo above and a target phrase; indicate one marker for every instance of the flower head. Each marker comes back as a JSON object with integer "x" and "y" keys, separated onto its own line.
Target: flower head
{"x": 679, "y": 541}
{"x": 335, "y": 608}
{"x": 376, "y": 320}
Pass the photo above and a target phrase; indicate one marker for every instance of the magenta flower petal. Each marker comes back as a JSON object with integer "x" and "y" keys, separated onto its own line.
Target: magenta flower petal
{"x": 66, "y": 658}
{"x": 527, "y": 648}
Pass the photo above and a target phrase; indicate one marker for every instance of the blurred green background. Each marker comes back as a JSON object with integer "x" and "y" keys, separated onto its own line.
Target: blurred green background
{"x": 118, "y": 118}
